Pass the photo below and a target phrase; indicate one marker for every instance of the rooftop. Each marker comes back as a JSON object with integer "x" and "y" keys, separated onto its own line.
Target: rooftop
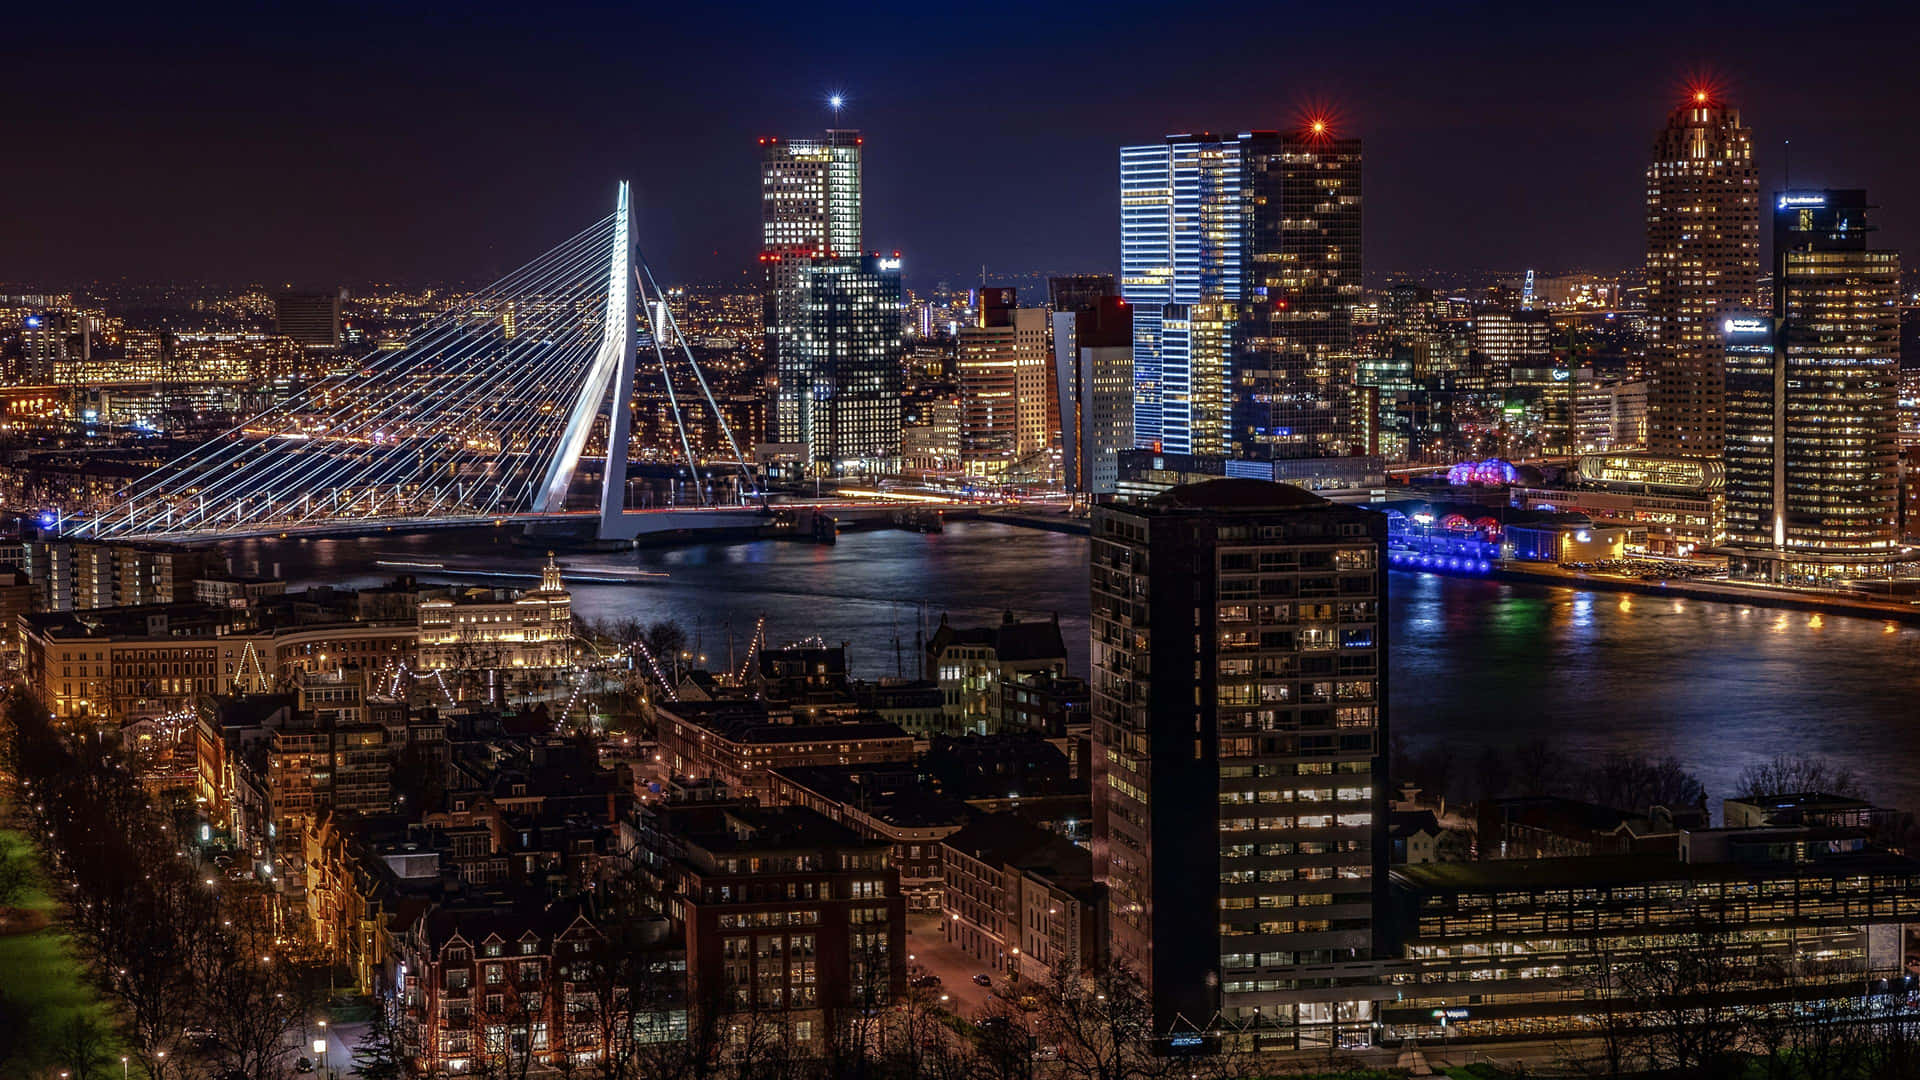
{"x": 1235, "y": 493}
{"x": 1599, "y": 871}
{"x": 893, "y": 794}
{"x": 1007, "y": 839}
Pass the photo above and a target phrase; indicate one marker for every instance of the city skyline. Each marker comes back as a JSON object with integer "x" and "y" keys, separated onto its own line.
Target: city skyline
{"x": 1025, "y": 545}
{"x": 338, "y": 175}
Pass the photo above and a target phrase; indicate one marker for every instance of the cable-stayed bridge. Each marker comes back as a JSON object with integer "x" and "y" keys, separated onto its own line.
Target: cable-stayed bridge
{"x": 483, "y": 415}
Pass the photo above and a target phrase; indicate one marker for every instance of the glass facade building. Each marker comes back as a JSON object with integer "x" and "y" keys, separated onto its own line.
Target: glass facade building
{"x": 1703, "y": 263}
{"x": 1180, "y": 239}
{"x": 1812, "y": 400}
{"x": 839, "y": 363}
{"x": 834, "y": 355}
{"x": 1293, "y": 357}
{"x": 1239, "y": 757}
{"x": 1241, "y": 256}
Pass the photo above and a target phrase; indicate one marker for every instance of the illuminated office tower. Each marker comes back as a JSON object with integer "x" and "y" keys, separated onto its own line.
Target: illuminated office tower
{"x": 51, "y": 342}
{"x": 810, "y": 192}
{"x": 1812, "y": 401}
{"x": 1239, "y": 689}
{"x": 1293, "y": 362}
{"x": 840, "y": 366}
{"x": 1703, "y": 262}
{"x": 1512, "y": 339}
{"x": 810, "y": 195}
{"x": 1009, "y": 418}
{"x": 1180, "y": 235}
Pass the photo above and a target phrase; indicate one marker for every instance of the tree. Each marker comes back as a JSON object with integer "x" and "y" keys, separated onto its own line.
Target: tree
{"x": 80, "y": 1045}
{"x": 1538, "y": 769}
{"x": 376, "y": 1056}
{"x": 16, "y": 877}
{"x": 252, "y": 996}
{"x": 1101, "y": 1025}
{"x": 1786, "y": 774}
{"x": 666, "y": 640}
{"x": 1688, "y": 996}
{"x": 18, "y": 1021}
{"x": 1636, "y": 783}
{"x": 1616, "y": 1025}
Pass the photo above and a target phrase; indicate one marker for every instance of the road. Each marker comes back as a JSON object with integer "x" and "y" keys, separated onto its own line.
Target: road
{"x": 927, "y": 947}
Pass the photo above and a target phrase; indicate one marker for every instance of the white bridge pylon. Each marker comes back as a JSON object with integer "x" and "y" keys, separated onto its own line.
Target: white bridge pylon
{"x": 483, "y": 413}
{"x": 612, "y": 370}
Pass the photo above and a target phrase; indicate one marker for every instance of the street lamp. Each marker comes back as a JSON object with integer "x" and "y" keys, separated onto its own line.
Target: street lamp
{"x": 123, "y": 1067}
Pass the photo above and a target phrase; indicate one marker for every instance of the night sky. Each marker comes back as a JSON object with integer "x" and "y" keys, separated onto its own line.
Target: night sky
{"x": 316, "y": 143}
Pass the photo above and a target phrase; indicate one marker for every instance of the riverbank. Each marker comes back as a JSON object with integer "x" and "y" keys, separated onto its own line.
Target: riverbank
{"x": 1724, "y": 592}
{"x": 1028, "y": 519}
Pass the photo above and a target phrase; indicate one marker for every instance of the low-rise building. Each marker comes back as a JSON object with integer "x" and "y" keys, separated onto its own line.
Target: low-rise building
{"x": 1800, "y": 808}
{"x": 882, "y": 802}
{"x": 482, "y": 984}
{"x": 1569, "y": 947}
{"x": 1022, "y": 899}
{"x": 738, "y": 742}
{"x": 1549, "y": 826}
{"x": 969, "y": 665}
{"x": 917, "y": 705}
{"x": 118, "y": 664}
{"x": 783, "y": 912}
{"x": 495, "y": 628}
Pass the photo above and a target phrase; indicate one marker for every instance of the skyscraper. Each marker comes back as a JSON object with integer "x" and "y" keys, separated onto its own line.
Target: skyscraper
{"x": 841, "y": 363}
{"x": 1812, "y": 401}
{"x": 1293, "y": 357}
{"x": 1009, "y": 415}
{"x": 825, "y": 342}
{"x": 1093, "y": 363}
{"x": 810, "y": 195}
{"x": 1180, "y": 272}
{"x": 1239, "y": 755}
{"x": 1703, "y": 263}
{"x": 1241, "y": 257}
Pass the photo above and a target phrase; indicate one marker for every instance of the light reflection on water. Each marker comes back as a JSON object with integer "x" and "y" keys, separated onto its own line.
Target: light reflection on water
{"x": 1475, "y": 661}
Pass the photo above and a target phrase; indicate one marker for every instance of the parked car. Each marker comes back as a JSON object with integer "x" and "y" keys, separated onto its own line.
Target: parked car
{"x": 924, "y": 981}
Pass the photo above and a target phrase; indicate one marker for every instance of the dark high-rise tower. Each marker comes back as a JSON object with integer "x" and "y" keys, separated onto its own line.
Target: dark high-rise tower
{"x": 1812, "y": 414}
{"x": 310, "y": 319}
{"x": 1239, "y": 755}
{"x": 841, "y": 364}
{"x": 834, "y": 388}
{"x": 1300, "y": 249}
{"x": 1703, "y": 262}
{"x": 1073, "y": 292}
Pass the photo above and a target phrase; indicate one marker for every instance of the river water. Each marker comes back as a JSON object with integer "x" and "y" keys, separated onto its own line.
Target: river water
{"x": 1475, "y": 662}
